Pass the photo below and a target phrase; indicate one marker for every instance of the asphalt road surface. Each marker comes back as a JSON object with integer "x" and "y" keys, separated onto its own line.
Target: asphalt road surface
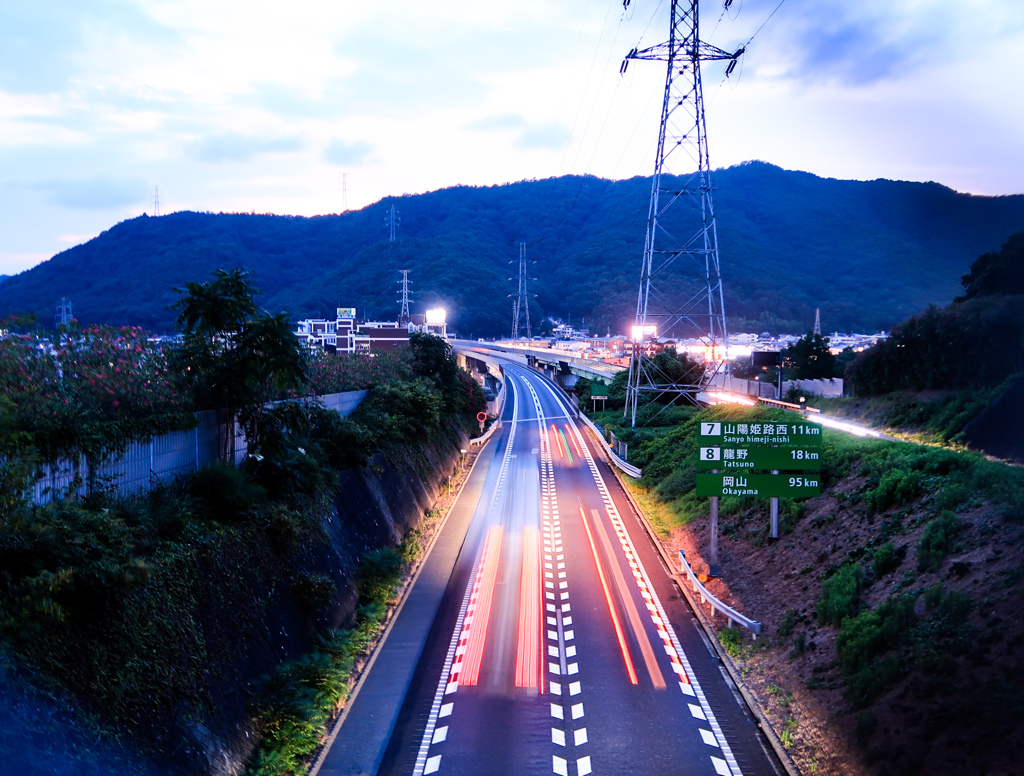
{"x": 561, "y": 644}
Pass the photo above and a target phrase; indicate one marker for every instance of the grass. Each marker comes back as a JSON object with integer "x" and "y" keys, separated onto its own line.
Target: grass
{"x": 840, "y": 595}
{"x": 295, "y": 704}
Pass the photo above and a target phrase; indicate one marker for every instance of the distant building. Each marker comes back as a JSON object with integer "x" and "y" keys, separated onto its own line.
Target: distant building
{"x": 348, "y": 334}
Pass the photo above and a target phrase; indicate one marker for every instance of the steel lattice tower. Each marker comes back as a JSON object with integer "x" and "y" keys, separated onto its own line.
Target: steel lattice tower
{"x": 685, "y": 248}
{"x": 521, "y": 305}
{"x": 403, "y": 316}
{"x": 392, "y": 219}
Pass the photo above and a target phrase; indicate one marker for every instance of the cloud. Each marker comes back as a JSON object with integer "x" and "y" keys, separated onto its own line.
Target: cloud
{"x": 340, "y": 152}
{"x": 234, "y": 147}
{"x": 98, "y": 192}
{"x": 42, "y": 41}
{"x": 506, "y": 121}
{"x": 870, "y": 41}
{"x": 551, "y": 136}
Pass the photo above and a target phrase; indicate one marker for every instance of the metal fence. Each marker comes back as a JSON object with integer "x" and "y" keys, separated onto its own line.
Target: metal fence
{"x": 162, "y": 458}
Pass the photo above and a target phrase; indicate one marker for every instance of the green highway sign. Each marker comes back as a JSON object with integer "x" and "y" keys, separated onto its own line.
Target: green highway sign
{"x": 752, "y": 458}
{"x": 795, "y": 433}
{"x": 762, "y": 485}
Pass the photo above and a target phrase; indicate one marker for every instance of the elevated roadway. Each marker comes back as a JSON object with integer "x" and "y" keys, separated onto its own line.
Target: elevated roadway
{"x": 559, "y": 365}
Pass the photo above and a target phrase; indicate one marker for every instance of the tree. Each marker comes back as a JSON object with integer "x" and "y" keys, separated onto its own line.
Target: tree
{"x": 811, "y": 358}
{"x": 266, "y": 361}
{"x": 216, "y": 308}
{"x": 997, "y": 273}
{"x": 233, "y": 357}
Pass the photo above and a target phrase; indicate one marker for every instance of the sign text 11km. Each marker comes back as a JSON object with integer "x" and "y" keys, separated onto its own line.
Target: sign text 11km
{"x": 796, "y": 433}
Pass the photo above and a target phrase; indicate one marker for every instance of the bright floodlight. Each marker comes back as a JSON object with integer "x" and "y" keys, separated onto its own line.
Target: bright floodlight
{"x": 437, "y": 315}
{"x": 643, "y": 332}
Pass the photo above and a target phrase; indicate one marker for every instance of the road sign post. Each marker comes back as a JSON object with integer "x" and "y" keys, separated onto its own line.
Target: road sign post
{"x": 774, "y": 532}
{"x": 713, "y": 554}
{"x": 729, "y": 454}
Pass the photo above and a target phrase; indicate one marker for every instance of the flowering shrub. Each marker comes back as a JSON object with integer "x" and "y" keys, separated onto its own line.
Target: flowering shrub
{"x": 333, "y": 373}
{"x": 96, "y": 388}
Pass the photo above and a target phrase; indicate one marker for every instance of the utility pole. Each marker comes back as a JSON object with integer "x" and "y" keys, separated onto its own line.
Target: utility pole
{"x": 686, "y": 242}
{"x": 521, "y": 304}
{"x": 344, "y": 192}
{"x": 392, "y": 219}
{"x": 403, "y": 316}
{"x": 156, "y": 200}
{"x": 817, "y": 320}
{"x": 64, "y": 314}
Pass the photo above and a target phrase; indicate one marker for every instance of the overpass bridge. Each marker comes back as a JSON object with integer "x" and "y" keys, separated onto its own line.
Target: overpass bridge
{"x": 560, "y": 366}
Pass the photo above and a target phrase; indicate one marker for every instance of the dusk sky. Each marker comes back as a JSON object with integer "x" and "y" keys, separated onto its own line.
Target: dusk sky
{"x": 262, "y": 106}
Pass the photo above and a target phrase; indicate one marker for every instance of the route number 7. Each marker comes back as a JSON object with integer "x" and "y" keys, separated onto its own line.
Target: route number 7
{"x": 711, "y": 429}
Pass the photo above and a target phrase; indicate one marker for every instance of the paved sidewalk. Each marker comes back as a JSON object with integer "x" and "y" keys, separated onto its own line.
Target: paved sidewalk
{"x": 362, "y": 737}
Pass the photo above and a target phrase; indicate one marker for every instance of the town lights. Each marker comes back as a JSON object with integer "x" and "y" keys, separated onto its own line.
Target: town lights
{"x": 713, "y": 353}
{"x": 437, "y": 315}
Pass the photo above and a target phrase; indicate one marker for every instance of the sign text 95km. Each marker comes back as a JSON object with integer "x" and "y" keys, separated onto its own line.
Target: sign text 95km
{"x": 753, "y": 458}
{"x": 760, "y": 485}
{"x": 796, "y": 433}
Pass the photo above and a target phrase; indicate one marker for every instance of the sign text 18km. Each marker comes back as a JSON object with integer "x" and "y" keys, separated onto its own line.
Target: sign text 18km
{"x": 753, "y": 458}
{"x": 760, "y": 485}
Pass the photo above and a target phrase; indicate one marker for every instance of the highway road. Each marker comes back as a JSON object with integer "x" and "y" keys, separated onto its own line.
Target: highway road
{"x": 561, "y": 645}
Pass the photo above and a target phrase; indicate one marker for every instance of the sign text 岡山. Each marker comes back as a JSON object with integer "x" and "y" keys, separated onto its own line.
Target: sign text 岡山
{"x": 761, "y": 485}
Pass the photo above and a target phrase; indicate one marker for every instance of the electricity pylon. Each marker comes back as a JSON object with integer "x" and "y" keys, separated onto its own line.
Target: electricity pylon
{"x": 403, "y": 316}
{"x": 521, "y": 303}
{"x": 680, "y": 281}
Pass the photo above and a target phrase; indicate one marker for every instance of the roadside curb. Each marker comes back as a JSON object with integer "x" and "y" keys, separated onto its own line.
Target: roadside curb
{"x": 734, "y": 673}
{"x": 335, "y": 727}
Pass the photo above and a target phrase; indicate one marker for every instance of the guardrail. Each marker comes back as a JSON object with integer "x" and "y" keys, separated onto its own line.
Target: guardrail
{"x": 481, "y": 439}
{"x": 707, "y": 598}
{"x": 787, "y": 405}
{"x": 626, "y": 468}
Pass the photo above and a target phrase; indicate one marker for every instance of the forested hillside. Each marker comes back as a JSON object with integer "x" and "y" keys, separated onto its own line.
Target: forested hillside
{"x": 868, "y": 254}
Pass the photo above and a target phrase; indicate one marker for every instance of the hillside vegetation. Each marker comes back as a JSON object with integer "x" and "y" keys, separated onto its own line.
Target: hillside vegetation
{"x": 891, "y": 603}
{"x": 216, "y": 618}
{"x": 867, "y": 253}
{"x": 943, "y": 374}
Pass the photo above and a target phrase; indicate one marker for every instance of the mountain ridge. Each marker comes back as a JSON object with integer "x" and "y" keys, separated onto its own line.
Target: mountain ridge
{"x": 868, "y": 253}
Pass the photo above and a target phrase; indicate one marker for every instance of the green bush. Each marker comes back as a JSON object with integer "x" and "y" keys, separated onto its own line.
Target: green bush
{"x": 953, "y": 607}
{"x": 224, "y": 493}
{"x": 864, "y": 643}
{"x": 895, "y": 488}
{"x": 885, "y": 559}
{"x": 379, "y": 575}
{"x": 840, "y": 595}
{"x": 731, "y": 639}
{"x": 787, "y": 624}
{"x": 936, "y": 542}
